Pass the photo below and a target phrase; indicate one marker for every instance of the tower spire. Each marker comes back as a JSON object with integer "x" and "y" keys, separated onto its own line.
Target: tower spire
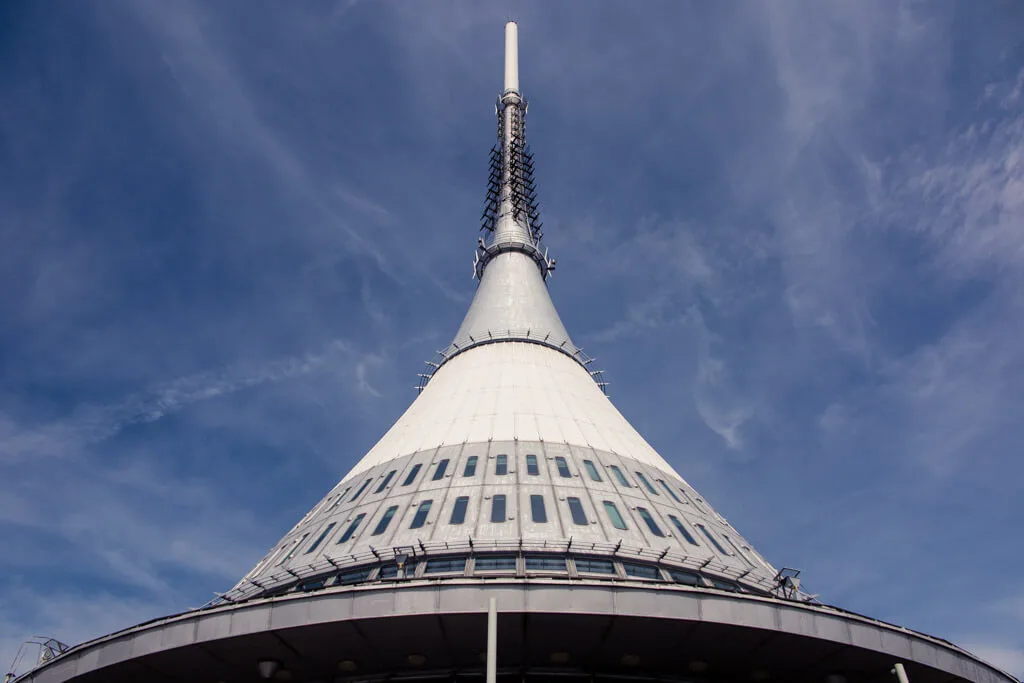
{"x": 511, "y": 57}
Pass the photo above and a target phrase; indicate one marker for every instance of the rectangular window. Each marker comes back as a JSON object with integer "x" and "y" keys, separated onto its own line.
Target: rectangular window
{"x": 354, "y": 576}
{"x": 320, "y": 538}
{"x": 563, "y": 467}
{"x": 387, "y": 480}
{"x": 351, "y": 528}
{"x": 470, "y": 469}
{"x": 337, "y": 501}
{"x": 446, "y": 565}
{"x": 613, "y": 515}
{"x": 498, "y": 508}
{"x": 362, "y": 488}
{"x": 382, "y": 525}
{"x": 537, "y": 512}
{"x": 647, "y": 484}
{"x": 295, "y": 549}
{"x": 739, "y": 552}
{"x": 725, "y": 586}
{"x": 441, "y": 467}
{"x": 579, "y": 517}
{"x": 641, "y": 571}
{"x": 545, "y": 563}
{"x": 501, "y": 465}
{"x": 592, "y": 470}
{"x": 590, "y": 565}
{"x": 619, "y": 475}
{"x": 710, "y": 537}
{"x": 459, "y": 510}
{"x": 411, "y": 477}
{"x": 688, "y": 578}
{"x": 390, "y": 571}
{"x": 683, "y": 531}
{"x": 531, "y": 465}
{"x": 495, "y": 563}
{"x": 420, "y": 518}
{"x": 670, "y": 491}
{"x": 649, "y": 520}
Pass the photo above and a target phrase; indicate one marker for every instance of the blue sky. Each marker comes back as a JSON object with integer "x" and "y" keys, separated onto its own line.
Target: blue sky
{"x": 791, "y": 233}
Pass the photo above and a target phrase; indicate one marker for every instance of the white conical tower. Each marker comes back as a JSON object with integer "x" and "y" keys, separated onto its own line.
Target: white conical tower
{"x": 512, "y": 444}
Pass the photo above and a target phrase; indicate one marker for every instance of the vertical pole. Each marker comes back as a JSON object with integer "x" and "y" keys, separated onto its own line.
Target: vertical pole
{"x": 900, "y": 672}
{"x": 492, "y": 641}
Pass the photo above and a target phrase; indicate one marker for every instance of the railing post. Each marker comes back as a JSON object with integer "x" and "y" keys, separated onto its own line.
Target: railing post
{"x": 492, "y": 641}
{"x": 901, "y": 673}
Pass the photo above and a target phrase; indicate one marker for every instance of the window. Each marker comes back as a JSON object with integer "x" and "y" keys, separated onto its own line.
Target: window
{"x": 688, "y": 578}
{"x": 670, "y": 491}
{"x": 531, "y": 465}
{"x": 387, "y": 480}
{"x": 295, "y": 548}
{"x": 421, "y": 514}
{"x": 411, "y": 477}
{"x": 651, "y": 524}
{"x": 446, "y": 565}
{"x": 592, "y": 470}
{"x": 714, "y": 541}
{"x": 459, "y": 510}
{"x": 382, "y": 525}
{"x": 441, "y": 467}
{"x": 351, "y": 528}
{"x": 390, "y": 571}
{"x": 641, "y": 571}
{"x": 501, "y": 465}
{"x": 545, "y": 563}
{"x": 590, "y": 565}
{"x": 498, "y": 508}
{"x": 683, "y": 531}
{"x": 738, "y": 551}
{"x": 320, "y": 538}
{"x": 495, "y": 563}
{"x": 576, "y": 510}
{"x": 354, "y": 576}
{"x": 563, "y": 467}
{"x": 537, "y": 512}
{"x": 340, "y": 498}
{"x": 725, "y": 586}
{"x": 619, "y": 475}
{"x": 647, "y": 484}
{"x": 613, "y": 515}
{"x": 362, "y": 488}
{"x": 470, "y": 469}
{"x": 313, "y": 585}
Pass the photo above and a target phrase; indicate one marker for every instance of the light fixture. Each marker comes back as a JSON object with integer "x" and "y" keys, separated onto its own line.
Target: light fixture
{"x": 268, "y": 667}
{"x": 417, "y": 659}
{"x": 559, "y": 657}
{"x": 630, "y": 660}
{"x": 347, "y": 665}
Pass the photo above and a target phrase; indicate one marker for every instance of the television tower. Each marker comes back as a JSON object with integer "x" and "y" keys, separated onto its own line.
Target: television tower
{"x": 512, "y": 525}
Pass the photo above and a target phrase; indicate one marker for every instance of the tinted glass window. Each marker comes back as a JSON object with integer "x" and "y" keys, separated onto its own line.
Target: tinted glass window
{"x": 592, "y": 470}
{"x": 459, "y": 510}
{"x": 683, "y": 531}
{"x": 295, "y": 549}
{"x": 531, "y": 465}
{"x": 340, "y": 498}
{"x": 736, "y": 548}
{"x": 390, "y": 571}
{"x": 320, "y": 538}
{"x": 647, "y": 484}
{"x": 385, "y": 482}
{"x": 649, "y": 521}
{"x": 576, "y": 510}
{"x": 470, "y": 469}
{"x": 501, "y": 465}
{"x": 545, "y": 563}
{"x": 411, "y": 477}
{"x": 619, "y": 475}
{"x": 684, "y": 577}
{"x": 441, "y": 467}
{"x": 362, "y": 488}
{"x": 498, "y": 508}
{"x": 537, "y": 512}
{"x": 613, "y": 515}
{"x": 641, "y": 571}
{"x": 710, "y": 537}
{"x": 351, "y": 528}
{"x": 421, "y": 514}
{"x": 382, "y": 525}
{"x": 495, "y": 563}
{"x": 590, "y": 565}
{"x": 563, "y": 467}
{"x": 670, "y": 491}
{"x": 446, "y": 565}
{"x": 356, "y": 576}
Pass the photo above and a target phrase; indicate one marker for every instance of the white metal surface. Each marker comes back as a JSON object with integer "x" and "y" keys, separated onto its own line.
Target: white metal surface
{"x": 511, "y": 57}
